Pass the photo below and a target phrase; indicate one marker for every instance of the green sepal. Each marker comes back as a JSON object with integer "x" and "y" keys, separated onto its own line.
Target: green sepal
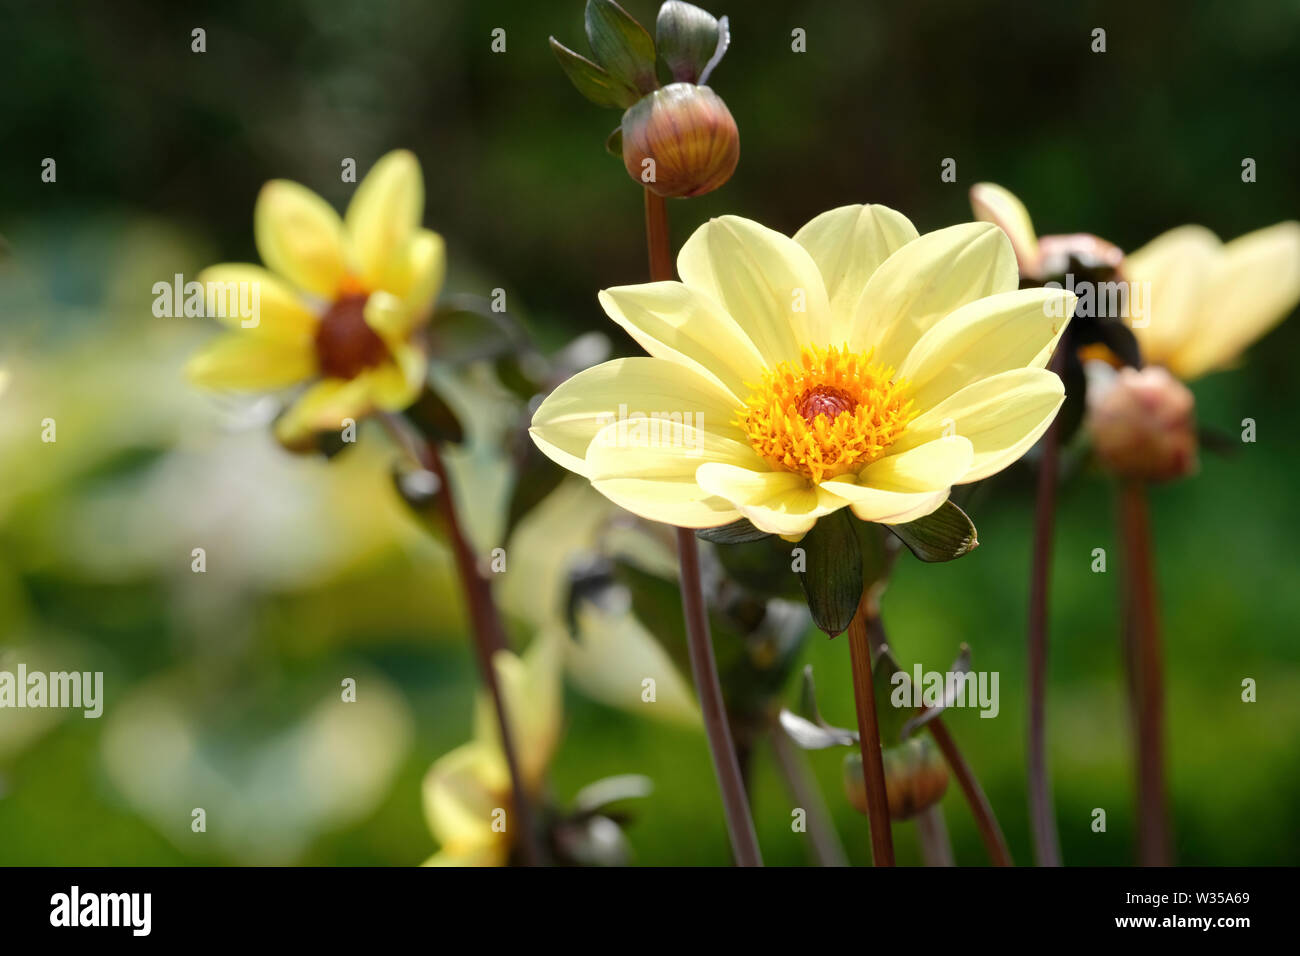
{"x": 593, "y": 82}
{"x": 621, "y": 45}
{"x": 832, "y": 576}
{"x": 942, "y": 535}
{"x": 687, "y": 38}
{"x": 738, "y": 532}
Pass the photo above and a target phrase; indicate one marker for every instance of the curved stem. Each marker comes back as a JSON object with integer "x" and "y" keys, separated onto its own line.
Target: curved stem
{"x": 485, "y": 626}
{"x": 994, "y": 842}
{"x": 873, "y": 769}
{"x": 740, "y": 822}
{"x": 1148, "y": 661}
{"x": 985, "y": 820}
{"x": 1047, "y": 846}
{"x": 936, "y": 847}
{"x": 826, "y": 847}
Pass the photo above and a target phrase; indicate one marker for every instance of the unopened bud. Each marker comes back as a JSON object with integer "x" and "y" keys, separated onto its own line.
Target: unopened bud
{"x": 680, "y": 141}
{"x": 1142, "y": 423}
{"x": 916, "y": 778}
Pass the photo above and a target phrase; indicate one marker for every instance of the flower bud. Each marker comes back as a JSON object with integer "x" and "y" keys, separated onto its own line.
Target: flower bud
{"x": 680, "y": 141}
{"x": 1142, "y": 423}
{"x": 916, "y": 778}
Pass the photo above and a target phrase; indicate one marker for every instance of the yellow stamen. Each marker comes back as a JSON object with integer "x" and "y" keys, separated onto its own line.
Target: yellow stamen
{"x": 830, "y": 414}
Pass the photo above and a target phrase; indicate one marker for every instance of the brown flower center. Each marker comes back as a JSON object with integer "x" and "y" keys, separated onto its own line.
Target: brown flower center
{"x": 824, "y": 400}
{"x": 345, "y": 344}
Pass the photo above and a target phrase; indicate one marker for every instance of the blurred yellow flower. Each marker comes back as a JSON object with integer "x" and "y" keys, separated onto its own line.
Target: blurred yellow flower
{"x": 340, "y": 301}
{"x": 855, "y": 365}
{"x": 1210, "y": 300}
{"x": 467, "y": 791}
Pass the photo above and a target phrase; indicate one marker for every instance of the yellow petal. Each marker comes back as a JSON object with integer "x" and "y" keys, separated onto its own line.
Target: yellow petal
{"x": 324, "y": 407}
{"x": 881, "y": 506}
{"x": 926, "y": 280}
{"x": 990, "y": 335}
{"x": 648, "y": 468}
{"x": 461, "y": 791}
{"x": 674, "y": 322}
{"x": 389, "y": 318}
{"x": 766, "y": 281}
{"x": 992, "y": 203}
{"x": 247, "y": 361}
{"x": 1002, "y": 416}
{"x": 532, "y": 693}
{"x": 299, "y": 236}
{"x": 1171, "y": 270}
{"x": 393, "y": 388}
{"x": 384, "y": 213}
{"x": 417, "y": 272}
{"x": 849, "y": 244}
{"x": 565, "y": 424}
{"x": 932, "y": 466}
{"x": 249, "y": 298}
{"x": 1252, "y": 287}
{"x": 778, "y": 502}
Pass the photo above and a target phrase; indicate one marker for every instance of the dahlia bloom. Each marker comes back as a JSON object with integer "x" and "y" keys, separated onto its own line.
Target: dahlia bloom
{"x": 857, "y": 364}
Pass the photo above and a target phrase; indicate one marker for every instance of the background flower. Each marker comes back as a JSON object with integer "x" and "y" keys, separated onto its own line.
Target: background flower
{"x": 340, "y": 301}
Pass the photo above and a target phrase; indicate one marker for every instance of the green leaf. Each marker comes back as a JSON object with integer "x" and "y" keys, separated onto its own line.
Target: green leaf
{"x": 434, "y": 418}
{"x": 940, "y": 536}
{"x": 466, "y": 328}
{"x": 763, "y": 567}
{"x": 687, "y": 38}
{"x": 614, "y": 143}
{"x": 891, "y": 720}
{"x": 832, "y": 578}
{"x": 621, "y": 45}
{"x": 657, "y": 604}
{"x": 738, "y": 532}
{"x": 536, "y": 476}
{"x": 593, "y": 82}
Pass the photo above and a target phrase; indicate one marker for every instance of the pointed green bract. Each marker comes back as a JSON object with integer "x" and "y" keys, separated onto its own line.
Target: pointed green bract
{"x": 592, "y": 81}
{"x": 940, "y": 536}
{"x": 832, "y": 579}
{"x": 738, "y": 532}
{"x": 621, "y": 45}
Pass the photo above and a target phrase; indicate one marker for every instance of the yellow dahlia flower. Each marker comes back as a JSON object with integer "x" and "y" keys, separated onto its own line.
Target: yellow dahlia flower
{"x": 856, "y": 365}
{"x": 1210, "y": 300}
{"x": 340, "y": 301}
{"x": 467, "y": 791}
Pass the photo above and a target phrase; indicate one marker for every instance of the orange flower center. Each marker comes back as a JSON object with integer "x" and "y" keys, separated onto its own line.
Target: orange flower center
{"x": 345, "y": 344}
{"x": 829, "y": 414}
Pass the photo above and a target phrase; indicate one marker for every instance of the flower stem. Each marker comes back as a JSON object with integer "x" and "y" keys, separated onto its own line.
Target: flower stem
{"x": 1147, "y": 660}
{"x": 936, "y": 848}
{"x": 994, "y": 842}
{"x": 873, "y": 769}
{"x": 1047, "y": 846}
{"x": 485, "y": 626}
{"x": 740, "y": 823}
{"x": 826, "y": 847}
{"x": 985, "y": 820}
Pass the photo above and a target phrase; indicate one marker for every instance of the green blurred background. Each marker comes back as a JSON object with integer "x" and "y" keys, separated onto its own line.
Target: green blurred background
{"x": 218, "y": 684}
